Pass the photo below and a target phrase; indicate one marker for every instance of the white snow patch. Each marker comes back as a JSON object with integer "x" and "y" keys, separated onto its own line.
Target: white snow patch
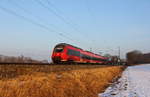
{"x": 135, "y": 82}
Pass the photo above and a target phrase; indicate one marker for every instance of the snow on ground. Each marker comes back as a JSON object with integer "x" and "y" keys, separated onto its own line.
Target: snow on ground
{"x": 135, "y": 82}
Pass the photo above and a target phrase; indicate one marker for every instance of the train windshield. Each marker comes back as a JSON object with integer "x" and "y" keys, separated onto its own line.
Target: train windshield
{"x": 59, "y": 48}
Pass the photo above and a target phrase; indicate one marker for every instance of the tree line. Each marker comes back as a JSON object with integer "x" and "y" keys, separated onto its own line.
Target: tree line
{"x": 137, "y": 57}
{"x": 19, "y": 59}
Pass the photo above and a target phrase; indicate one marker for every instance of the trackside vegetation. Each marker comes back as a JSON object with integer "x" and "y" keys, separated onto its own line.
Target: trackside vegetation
{"x": 34, "y": 82}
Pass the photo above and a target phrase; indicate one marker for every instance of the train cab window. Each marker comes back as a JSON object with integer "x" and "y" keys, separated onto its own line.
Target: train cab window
{"x": 59, "y": 48}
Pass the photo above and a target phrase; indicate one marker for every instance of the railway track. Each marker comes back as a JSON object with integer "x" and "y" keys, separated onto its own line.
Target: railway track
{"x": 54, "y": 64}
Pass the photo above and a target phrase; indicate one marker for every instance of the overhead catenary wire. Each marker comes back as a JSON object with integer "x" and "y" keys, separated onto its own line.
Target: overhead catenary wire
{"x": 91, "y": 15}
{"x": 37, "y": 17}
{"x": 60, "y": 17}
{"x": 55, "y": 13}
{"x": 41, "y": 20}
{"x": 77, "y": 40}
{"x": 90, "y": 12}
{"x": 41, "y": 25}
{"x": 52, "y": 5}
{"x": 59, "y": 11}
{"x": 88, "y": 9}
{"x": 30, "y": 13}
{"x": 64, "y": 19}
{"x": 33, "y": 22}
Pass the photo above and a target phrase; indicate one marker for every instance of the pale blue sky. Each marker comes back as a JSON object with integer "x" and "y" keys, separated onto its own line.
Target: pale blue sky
{"x": 102, "y": 25}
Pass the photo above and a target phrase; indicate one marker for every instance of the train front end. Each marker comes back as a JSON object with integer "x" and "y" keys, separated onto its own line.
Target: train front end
{"x": 59, "y": 53}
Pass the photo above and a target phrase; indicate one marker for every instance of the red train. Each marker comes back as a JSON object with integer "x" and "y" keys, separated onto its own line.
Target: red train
{"x": 67, "y": 53}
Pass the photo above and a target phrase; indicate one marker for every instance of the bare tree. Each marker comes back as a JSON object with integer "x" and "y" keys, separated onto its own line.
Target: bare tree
{"x": 19, "y": 59}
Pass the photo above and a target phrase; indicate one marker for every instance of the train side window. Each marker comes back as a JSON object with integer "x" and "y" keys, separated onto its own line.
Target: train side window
{"x": 86, "y": 57}
{"x": 73, "y": 52}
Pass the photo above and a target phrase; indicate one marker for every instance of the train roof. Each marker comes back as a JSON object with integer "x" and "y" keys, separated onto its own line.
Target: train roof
{"x": 69, "y": 45}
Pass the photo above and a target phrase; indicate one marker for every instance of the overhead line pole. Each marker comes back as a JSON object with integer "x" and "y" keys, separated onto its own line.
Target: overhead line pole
{"x": 119, "y": 52}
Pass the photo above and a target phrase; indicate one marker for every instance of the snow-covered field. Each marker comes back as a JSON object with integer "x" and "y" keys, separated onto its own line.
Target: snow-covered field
{"x": 135, "y": 82}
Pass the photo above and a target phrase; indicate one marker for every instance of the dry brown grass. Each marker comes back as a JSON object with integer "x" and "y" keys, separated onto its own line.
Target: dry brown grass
{"x": 75, "y": 83}
{"x": 11, "y": 71}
